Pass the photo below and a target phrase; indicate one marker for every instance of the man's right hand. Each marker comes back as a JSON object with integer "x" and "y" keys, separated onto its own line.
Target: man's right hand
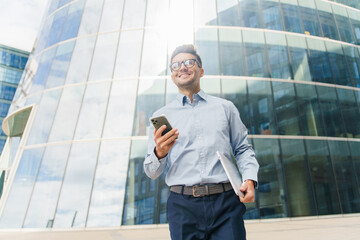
{"x": 164, "y": 143}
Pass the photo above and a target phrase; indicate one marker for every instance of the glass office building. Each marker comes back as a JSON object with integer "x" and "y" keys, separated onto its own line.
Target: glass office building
{"x": 77, "y": 128}
{"x": 12, "y": 64}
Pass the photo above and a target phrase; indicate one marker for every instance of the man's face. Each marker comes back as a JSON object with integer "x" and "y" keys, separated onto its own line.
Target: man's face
{"x": 186, "y": 77}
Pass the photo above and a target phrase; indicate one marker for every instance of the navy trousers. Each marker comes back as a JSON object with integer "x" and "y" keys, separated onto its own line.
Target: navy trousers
{"x": 213, "y": 217}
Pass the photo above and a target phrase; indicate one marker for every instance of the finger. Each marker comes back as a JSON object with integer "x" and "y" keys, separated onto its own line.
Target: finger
{"x": 171, "y": 138}
{"x": 170, "y": 133}
{"x": 160, "y": 131}
{"x": 249, "y": 197}
{"x": 243, "y": 187}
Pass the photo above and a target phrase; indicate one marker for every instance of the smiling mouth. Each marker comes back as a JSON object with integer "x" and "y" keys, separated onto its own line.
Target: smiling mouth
{"x": 184, "y": 75}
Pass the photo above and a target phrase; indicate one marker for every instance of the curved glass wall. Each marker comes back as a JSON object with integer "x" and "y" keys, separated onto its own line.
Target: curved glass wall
{"x": 100, "y": 69}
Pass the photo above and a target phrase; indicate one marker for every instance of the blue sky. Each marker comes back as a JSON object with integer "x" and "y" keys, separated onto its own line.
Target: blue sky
{"x": 20, "y": 22}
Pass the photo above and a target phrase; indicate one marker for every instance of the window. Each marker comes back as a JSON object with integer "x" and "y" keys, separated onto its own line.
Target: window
{"x": 291, "y": 16}
{"x": 255, "y": 54}
{"x": 271, "y": 14}
{"x": 231, "y": 52}
{"x": 327, "y": 20}
{"x": 309, "y": 17}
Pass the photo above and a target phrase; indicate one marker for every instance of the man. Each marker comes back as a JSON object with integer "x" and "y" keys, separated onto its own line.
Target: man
{"x": 202, "y": 203}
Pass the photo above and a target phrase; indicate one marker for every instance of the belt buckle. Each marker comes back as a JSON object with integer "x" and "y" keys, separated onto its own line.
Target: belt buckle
{"x": 194, "y": 191}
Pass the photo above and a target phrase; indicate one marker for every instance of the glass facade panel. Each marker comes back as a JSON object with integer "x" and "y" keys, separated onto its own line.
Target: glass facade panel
{"x": 355, "y": 23}
{"x": 261, "y": 108}
{"x": 271, "y": 14}
{"x": 309, "y": 17}
{"x": 134, "y": 14}
{"x": 45, "y": 115}
{"x": 109, "y": 185}
{"x": 300, "y": 61}
{"x": 171, "y": 91}
{"x": 154, "y": 53}
{"x": 309, "y": 110}
{"x": 142, "y": 207}
{"x": 47, "y": 188}
{"x": 91, "y": 17}
{"x": 327, "y": 20}
{"x": 74, "y": 198}
{"x": 128, "y": 55}
{"x": 298, "y": 185}
{"x": 104, "y": 57}
{"x": 228, "y": 13}
{"x": 255, "y": 54}
{"x": 355, "y": 157}
{"x": 353, "y": 62}
{"x": 43, "y": 36}
{"x": 60, "y": 65}
{"x": 286, "y": 108}
{"x": 345, "y": 176}
{"x": 350, "y": 111}
{"x": 120, "y": 112}
{"x": 271, "y": 184}
{"x": 111, "y": 15}
{"x": 322, "y": 177}
{"x": 338, "y": 64}
{"x": 291, "y": 16}
{"x": 250, "y": 13}
{"x": 92, "y": 113}
{"x": 278, "y": 56}
{"x": 329, "y": 104}
{"x": 321, "y": 70}
{"x": 157, "y": 13}
{"x": 42, "y": 72}
{"x": 235, "y": 91}
{"x": 343, "y": 24}
{"x": 231, "y": 52}
{"x": 211, "y": 86}
{"x": 67, "y": 114}
{"x": 19, "y": 196}
{"x": 150, "y": 98}
{"x": 207, "y": 42}
{"x": 71, "y": 26}
{"x": 80, "y": 61}
{"x": 7, "y": 92}
{"x": 207, "y": 17}
{"x": 57, "y": 26}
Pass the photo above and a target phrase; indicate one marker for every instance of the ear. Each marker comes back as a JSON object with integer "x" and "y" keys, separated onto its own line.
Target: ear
{"x": 202, "y": 72}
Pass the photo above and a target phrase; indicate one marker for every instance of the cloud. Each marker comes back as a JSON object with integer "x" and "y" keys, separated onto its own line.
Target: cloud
{"x": 20, "y": 22}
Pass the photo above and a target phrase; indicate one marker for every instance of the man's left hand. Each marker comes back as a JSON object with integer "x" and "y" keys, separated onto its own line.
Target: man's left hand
{"x": 248, "y": 189}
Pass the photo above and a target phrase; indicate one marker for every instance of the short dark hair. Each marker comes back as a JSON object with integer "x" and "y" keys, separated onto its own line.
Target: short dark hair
{"x": 187, "y": 48}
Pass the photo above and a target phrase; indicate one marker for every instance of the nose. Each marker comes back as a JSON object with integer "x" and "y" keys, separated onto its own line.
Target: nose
{"x": 182, "y": 66}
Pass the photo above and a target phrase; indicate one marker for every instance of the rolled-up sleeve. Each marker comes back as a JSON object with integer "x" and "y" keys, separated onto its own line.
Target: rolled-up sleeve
{"x": 243, "y": 152}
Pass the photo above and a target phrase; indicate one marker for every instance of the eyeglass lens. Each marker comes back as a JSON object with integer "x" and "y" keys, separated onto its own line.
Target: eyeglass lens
{"x": 187, "y": 63}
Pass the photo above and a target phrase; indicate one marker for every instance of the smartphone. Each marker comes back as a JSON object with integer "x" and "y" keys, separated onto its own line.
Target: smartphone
{"x": 158, "y": 121}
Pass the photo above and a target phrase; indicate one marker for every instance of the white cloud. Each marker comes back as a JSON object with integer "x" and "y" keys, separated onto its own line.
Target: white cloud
{"x": 20, "y": 22}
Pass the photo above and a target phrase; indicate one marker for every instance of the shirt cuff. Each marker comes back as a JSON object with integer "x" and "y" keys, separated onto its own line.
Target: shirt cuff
{"x": 255, "y": 182}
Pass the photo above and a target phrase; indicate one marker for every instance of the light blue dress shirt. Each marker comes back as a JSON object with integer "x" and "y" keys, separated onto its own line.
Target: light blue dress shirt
{"x": 207, "y": 125}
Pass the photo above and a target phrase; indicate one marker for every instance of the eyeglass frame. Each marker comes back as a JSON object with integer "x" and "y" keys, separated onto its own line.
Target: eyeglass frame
{"x": 183, "y": 62}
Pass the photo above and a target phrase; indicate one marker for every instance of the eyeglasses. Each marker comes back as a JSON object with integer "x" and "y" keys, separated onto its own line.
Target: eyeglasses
{"x": 189, "y": 63}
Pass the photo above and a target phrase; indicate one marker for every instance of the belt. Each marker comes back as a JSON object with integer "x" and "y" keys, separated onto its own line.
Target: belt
{"x": 201, "y": 190}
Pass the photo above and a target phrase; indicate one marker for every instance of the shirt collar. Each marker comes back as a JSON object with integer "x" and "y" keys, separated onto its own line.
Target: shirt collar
{"x": 200, "y": 95}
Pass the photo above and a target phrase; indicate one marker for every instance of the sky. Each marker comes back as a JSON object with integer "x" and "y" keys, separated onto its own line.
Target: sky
{"x": 20, "y": 22}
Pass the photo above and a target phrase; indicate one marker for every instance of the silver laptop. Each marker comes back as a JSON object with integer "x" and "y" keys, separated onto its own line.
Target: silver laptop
{"x": 232, "y": 172}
